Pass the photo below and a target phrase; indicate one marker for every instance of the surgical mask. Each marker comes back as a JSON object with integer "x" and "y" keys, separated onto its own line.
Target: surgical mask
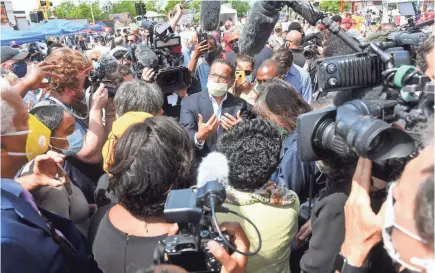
{"x": 75, "y": 142}
{"x": 249, "y": 78}
{"x": 217, "y": 89}
{"x": 20, "y": 69}
{"x": 38, "y": 137}
{"x": 428, "y": 265}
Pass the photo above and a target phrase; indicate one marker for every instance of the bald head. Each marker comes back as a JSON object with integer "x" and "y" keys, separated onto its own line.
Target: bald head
{"x": 269, "y": 69}
{"x": 294, "y": 39}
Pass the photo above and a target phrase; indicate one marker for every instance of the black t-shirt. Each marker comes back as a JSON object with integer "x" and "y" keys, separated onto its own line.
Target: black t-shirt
{"x": 298, "y": 56}
{"x": 116, "y": 251}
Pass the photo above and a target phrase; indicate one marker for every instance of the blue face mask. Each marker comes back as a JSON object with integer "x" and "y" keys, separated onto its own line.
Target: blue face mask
{"x": 20, "y": 69}
{"x": 75, "y": 142}
{"x": 249, "y": 78}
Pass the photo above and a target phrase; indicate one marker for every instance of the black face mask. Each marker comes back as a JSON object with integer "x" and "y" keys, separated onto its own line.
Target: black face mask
{"x": 20, "y": 69}
{"x": 210, "y": 56}
{"x": 235, "y": 47}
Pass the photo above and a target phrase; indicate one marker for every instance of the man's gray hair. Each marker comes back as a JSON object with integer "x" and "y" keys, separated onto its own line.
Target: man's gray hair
{"x": 8, "y": 114}
{"x": 138, "y": 96}
{"x": 235, "y": 29}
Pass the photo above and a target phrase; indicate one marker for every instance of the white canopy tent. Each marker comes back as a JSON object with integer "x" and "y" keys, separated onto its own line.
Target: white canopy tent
{"x": 227, "y": 12}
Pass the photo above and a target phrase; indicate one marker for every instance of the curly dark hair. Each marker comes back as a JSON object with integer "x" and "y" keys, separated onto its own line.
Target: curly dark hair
{"x": 72, "y": 63}
{"x": 252, "y": 148}
{"x": 150, "y": 159}
{"x": 424, "y": 50}
{"x": 285, "y": 57}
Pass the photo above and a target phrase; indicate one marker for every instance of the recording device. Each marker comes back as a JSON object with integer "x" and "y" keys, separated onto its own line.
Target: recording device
{"x": 195, "y": 214}
{"x": 209, "y": 15}
{"x": 161, "y": 35}
{"x": 105, "y": 71}
{"x": 311, "y": 51}
{"x": 159, "y": 55}
{"x": 202, "y": 36}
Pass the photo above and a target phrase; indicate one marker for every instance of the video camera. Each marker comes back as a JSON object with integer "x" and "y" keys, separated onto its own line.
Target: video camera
{"x": 166, "y": 46}
{"x": 195, "y": 214}
{"x": 105, "y": 71}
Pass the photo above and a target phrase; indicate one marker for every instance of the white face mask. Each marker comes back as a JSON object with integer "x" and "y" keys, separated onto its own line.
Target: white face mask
{"x": 428, "y": 265}
{"x": 217, "y": 89}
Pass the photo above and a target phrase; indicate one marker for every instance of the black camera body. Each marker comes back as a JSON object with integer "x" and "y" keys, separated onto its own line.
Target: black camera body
{"x": 356, "y": 70}
{"x": 191, "y": 252}
{"x": 190, "y": 210}
{"x": 357, "y": 128}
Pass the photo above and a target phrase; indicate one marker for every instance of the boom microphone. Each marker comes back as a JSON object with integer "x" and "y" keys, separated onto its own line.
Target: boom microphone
{"x": 259, "y": 25}
{"x": 109, "y": 65}
{"x": 214, "y": 167}
{"x": 146, "y": 56}
{"x": 209, "y": 16}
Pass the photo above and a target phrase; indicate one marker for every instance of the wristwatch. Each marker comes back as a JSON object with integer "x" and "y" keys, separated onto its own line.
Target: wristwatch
{"x": 342, "y": 266}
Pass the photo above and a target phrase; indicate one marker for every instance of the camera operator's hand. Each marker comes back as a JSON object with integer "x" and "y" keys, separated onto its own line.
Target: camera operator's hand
{"x": 200, "y": 49}
{"x": 363, "y": 226}
{"x": 235, "y": 263}
{"x": 100, "y": 98}
{"x": 148, "y": 74}
{"x": 37, "y": 72}
{"x": 228, "y": 121}
{"x": 206, "y": 129}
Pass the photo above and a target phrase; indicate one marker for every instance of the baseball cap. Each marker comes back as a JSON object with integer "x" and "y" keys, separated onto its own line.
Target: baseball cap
{"x": 9, "y": 53}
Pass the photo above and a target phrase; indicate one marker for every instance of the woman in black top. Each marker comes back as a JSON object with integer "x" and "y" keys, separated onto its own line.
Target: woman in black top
{"x": 150, "y": 159}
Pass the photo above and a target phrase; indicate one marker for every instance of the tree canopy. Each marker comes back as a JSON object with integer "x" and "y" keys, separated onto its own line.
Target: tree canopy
{"x": 82, "y": 10}
{"x": 332, "y": 6}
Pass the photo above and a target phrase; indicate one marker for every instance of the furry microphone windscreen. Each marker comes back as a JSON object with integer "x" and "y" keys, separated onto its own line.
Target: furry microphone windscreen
{"x": 146, "y": 56}
{"x": 209, "y": 16}
{"x": 109, "y": 65}
{"x": 259, "y": 25}
{"x": 214, "y": 167}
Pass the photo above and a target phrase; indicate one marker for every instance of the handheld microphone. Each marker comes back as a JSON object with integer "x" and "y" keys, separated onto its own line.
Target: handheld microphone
{"x": 212, "y": 177}
{"x": 259, "y": 25}
{"x": 209, "y": 16}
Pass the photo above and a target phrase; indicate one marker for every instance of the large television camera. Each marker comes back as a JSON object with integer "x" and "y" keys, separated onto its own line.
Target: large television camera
{"x": 195, "y": 214}
{"x": 166, "y": 57}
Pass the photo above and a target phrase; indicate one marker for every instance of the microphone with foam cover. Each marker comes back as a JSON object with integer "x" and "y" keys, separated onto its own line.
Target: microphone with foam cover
{"x": 259, "y": 25}
{"x": 211, "y": 181}
{"x": 209, "y": 16}
{"x": 214, "y": 167}
{"x": 109, "y": 66}
{"x": 146, "y": 56}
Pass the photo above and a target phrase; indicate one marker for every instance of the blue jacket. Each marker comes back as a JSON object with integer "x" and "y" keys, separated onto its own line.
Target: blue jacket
{"x": 27, "y": 244}
{"x": 292, "y": 173}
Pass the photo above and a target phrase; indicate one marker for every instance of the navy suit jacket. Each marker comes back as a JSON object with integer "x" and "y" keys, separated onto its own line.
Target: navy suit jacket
{"x": 200, "y": 103}
{"x": 27, "y": 244}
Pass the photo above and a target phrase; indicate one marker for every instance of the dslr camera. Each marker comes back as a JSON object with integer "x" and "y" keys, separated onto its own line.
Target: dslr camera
{"x": 311, "y": 51}
{"x": 191, "y": 211}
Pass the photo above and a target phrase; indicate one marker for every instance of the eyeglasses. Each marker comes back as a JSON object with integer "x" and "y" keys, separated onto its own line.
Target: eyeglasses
{"x": 247, "y": 72}
{"x": 86, "y": 72}
{"x": 131, "y": 41}
{"x": 219, "y": 78}
{"x": 233, "y": 41}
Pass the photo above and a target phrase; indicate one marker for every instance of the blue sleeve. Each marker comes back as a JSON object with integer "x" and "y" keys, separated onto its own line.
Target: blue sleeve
{"x": 307, "y": 89}
{"x": 289, "y": 173}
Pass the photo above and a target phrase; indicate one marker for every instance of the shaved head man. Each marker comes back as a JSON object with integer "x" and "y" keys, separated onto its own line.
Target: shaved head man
{"x": 294, "y": 39}
{"x": 268, "y": 70}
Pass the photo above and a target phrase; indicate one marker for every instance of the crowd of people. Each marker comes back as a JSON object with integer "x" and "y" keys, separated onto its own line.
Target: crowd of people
{"x": 85, "y": 175}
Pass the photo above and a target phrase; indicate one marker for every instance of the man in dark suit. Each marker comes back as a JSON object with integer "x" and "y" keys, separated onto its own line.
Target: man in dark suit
{"x": 205, "y": 115}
